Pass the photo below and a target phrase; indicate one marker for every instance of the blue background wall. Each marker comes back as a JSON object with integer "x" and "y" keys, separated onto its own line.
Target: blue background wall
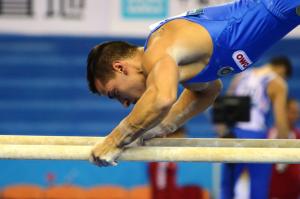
{"x": 43, "y": 91}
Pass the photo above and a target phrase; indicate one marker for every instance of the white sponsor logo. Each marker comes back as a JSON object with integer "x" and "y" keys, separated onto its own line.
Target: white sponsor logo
{"x": 241, "y": 59}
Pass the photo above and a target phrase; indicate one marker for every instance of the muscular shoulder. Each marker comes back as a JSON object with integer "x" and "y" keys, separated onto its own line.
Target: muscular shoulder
{"x": 179, "y": 39}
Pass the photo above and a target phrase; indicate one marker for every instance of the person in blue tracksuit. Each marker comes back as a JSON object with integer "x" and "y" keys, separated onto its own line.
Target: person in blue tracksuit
{"x": 196, "y": 49}
{"x": 267, "y": 88}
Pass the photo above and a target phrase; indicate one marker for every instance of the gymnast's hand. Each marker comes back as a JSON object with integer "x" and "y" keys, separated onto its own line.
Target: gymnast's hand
{"x": 106, "y": 153}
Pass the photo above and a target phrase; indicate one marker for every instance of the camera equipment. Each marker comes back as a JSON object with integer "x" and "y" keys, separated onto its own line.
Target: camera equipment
{"x": 231, "y": 109}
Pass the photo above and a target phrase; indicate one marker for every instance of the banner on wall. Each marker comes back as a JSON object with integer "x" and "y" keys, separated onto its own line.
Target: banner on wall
{"x": 81, "y": 17}
{"x": 52, "y": 16}
{"x": 146, "y": 9}
{"x": 90, "y": 17}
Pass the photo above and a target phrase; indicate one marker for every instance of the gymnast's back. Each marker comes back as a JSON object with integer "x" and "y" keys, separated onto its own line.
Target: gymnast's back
{"x": 213, "y": 42}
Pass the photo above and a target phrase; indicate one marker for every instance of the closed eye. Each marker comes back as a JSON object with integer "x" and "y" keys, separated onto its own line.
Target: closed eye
{"x": 113, "y": 94}
{"x": 116, "y": 93}
{"x": 110, "y": 95}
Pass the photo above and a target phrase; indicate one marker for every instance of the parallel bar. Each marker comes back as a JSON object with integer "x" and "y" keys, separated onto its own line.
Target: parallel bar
{"x": 170, "y": 142}
{"x": 49, "y": 140}
{"x": 198, "y": 154}
{"x": 225, "y": 142}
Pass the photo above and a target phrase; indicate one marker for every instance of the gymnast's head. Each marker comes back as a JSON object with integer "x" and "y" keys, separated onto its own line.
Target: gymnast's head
{"x": 114, "y": 70}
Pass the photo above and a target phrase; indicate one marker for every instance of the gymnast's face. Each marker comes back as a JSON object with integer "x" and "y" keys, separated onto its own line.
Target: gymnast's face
{"x": 127, "y": 85}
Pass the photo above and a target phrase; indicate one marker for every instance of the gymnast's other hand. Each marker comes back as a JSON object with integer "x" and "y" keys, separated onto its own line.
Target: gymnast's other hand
{"x": 106, "y": 153}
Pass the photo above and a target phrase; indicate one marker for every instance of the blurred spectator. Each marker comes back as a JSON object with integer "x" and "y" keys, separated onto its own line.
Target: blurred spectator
{"x": 162, "y": 175}
{"x": 285, "y": 181}
{"x": 267, "y": 89}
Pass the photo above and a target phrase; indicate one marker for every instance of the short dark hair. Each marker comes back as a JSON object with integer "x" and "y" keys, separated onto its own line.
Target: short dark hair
{"x": 282, "y": 61}
{"x": 100, "y": 59}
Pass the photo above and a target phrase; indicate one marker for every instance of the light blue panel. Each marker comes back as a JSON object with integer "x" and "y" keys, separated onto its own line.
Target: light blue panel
{"x": 144, "y": 9}
{"x": 80, "y": 173}
{"x": 84, "y": 174}
{"x": 192, "y": 173}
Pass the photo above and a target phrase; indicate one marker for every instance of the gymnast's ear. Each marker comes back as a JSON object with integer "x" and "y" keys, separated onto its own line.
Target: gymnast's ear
{"x": 120, "y": 67}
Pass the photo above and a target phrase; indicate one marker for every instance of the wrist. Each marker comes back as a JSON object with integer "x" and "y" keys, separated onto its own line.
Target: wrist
{"x": 124, "y": 134}
{"x": 167, "y": 128}
{"x": 160, "y": 130}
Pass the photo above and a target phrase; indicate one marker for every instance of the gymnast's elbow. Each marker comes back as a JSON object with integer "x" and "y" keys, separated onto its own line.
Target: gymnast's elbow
{"x": 164, "y": 103}
{"x": 215, "y": 88}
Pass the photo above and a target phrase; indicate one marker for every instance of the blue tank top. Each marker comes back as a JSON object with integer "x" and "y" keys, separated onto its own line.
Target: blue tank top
{"x": 255, "y": 86}
{"x": 241, "y": 32}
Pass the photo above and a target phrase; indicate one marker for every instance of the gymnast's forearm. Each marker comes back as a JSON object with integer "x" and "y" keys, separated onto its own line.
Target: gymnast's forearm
{"x": 147, "y": 113}
{"x": 154, "y": 104}
{"x": 189, "y": 104}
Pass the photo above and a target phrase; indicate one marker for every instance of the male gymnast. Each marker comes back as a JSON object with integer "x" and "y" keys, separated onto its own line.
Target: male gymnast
{"x": 195, "y": 49}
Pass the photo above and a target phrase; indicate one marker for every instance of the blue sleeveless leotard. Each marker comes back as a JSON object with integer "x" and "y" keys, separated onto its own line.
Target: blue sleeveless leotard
{"x": 241, "y": 32}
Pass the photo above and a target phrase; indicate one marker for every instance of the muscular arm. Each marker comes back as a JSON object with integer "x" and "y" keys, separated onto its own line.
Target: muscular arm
{"x": 166, "y": 48}
{"x": 151, "y": 108}
{"x": 189, "y": 104}
{"x": 162, "y": 85}
{"x": 277, "y": 91}
{"x": 233, "y": 84}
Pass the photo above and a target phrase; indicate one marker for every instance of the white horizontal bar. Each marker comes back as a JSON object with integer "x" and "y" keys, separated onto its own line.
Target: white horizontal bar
{"x": 171, "y": 142}
{"x": 197, "y": 154}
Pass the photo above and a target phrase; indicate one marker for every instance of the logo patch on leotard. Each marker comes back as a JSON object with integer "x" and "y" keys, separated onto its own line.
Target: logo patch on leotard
{"x": 226, "y": 70}
{"x": 198, "y": 11}
{"x": 241, "y": 59}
